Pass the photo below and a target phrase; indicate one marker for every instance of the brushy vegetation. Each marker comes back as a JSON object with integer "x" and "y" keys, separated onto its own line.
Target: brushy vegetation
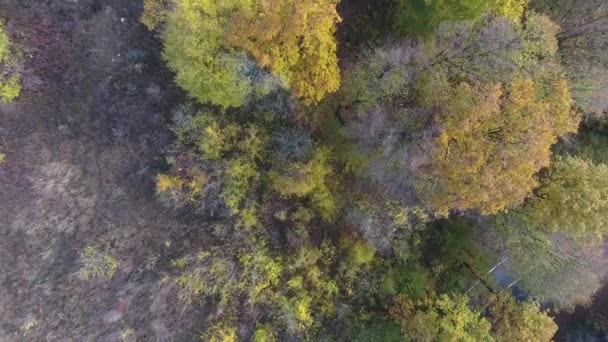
{"x": 10, "y": 80}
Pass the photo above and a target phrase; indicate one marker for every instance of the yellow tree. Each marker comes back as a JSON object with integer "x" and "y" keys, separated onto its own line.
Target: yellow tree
{"x": 220, "y": 49}
{"x": 295, "y": 39}
{"x": 490, "y": 145}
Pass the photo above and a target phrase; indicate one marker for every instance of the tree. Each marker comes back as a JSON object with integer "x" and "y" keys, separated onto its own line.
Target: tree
{"x": 309, "y": 179}
{"x": 155, "y": 13}
{"x": 468, "y": 117}
{"x": 573, "y": 198}
{"x": 491, "y": 145}
{"x": 378, "y": 75}
{"x": 219, "y": 49}
{"x": 443, "y": 318}
{"x": 295, "y": 39}
{"x": 549, "y": 267}
{"x": 583, "y": 42}
{"x": 515, "y": 321}
{"x": 193, "y": 48}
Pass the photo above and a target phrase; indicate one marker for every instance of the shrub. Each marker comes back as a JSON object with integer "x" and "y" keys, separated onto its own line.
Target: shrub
{"x": 10, "y": 80}
{"x": 96, "y": 264}
{"x": 264, "y": 333}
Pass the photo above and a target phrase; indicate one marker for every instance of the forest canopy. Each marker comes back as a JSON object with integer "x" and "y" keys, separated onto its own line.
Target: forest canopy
{"x": 455, "y": 116}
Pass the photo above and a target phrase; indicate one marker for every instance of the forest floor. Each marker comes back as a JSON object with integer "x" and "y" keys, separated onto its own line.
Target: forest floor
{"x": 83, "y": 144}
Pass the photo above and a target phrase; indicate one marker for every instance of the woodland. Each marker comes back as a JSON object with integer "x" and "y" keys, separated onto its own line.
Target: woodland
{"x": 304, "y": 170}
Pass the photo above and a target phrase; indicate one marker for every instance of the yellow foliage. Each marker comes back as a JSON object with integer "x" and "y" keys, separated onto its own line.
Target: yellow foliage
{"x": 520, "y": 321}
{"x": 303, "y": 314}
{"x": 264, "y": 333}
{"x": 207, "y": 43}
{"x": 512, "y": 9}
{"x": 217, "y": 140}
{"x": 10, "y": 89}
{"x": 267, "y": 273}
{"x": 10, "y": 80}
{"x": 492, "y": 145}
{"x": 309, "y": 179}
{"x": 167, "y": 183}
{"x": 155, "y": 13}
{"x": 295, "y": 39}
{"x": 96, "y": 264}
{"x": 221, "y": 332}
{"x": 197, "y": 184}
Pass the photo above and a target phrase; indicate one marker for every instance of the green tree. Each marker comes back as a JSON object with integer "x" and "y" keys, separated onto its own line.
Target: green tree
{"x": 525, "y": 322}
{"x": 443, "y": 318}
{"x": 548, "y": 267}
{"x": 583, "y": 40}
{"x": 573, "y": 198}
{"x": 193, "y": 49}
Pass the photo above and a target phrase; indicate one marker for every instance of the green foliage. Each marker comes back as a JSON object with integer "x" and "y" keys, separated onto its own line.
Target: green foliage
{"x": 155, "y": 13}
{"x": 97, "y": 264}
{"x": 548, "y": 267}
{"x": 10, "y": 89}
{"x": 422, "y": 17}
{"x": 240, "y": 174}
{"x": 193, "y": 41}
{"x": 361, "y": 253}
{"x": 309, "y": 179}
{"x": 591, "y": 144}
{"x": 264, "y": 333}
{"x": 379, "y": 331}
{"x": 263, "y": 272}
{"x": 514, "y": 321}
{"x": 211, "y": 274}
{"x": 224, "y": 160}
{"x": 444, "y": 318}
{"x": 5, "y": 44}
{"x": 459, "y": 120}
{"x": 374, "y": 78}
{"x": 410, "y": 279}
{"x": 573, "y": 198}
